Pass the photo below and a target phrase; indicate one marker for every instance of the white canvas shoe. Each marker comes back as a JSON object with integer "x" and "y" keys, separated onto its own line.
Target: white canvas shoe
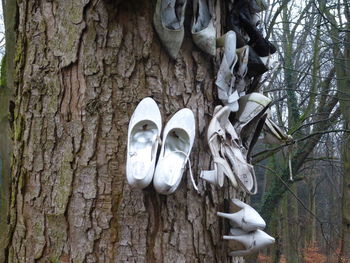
{"x": 248, "y": 243}
{"x": 178, "y": 138}
{"x": 246, "y": 217}
{"x": 143, "y": 137}
{"x": 203, "y": 31}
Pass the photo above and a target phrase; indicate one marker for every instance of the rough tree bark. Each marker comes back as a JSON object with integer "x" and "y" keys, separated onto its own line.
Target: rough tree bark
{"x": 80, "y": 69}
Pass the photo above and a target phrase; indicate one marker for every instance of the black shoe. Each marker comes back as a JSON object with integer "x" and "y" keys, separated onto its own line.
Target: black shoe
{"x": 261, "y": 45}
{"x": 256, "y": 66}
{"x": 234, "y": 24}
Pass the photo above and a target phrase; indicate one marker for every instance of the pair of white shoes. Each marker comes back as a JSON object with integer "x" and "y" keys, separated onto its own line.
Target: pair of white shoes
{"x": 143, "y": 140}
{"x": 246, "y": 230}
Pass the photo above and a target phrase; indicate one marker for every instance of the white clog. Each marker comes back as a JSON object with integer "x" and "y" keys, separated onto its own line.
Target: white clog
{"x": 246, "y": 217}
{"x": 178, "y": 138}
{"x": 143, "y": 137}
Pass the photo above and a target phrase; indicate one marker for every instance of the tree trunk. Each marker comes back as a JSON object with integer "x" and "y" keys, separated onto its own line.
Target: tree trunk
{"x": 81, "y": 68}
{"x": 5, "y": 154}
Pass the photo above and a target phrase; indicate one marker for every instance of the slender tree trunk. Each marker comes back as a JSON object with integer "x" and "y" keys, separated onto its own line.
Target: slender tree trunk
{"x": 5, "y": 154}
{"x": 81, "y": 68}
{"x": 6, "y": 119}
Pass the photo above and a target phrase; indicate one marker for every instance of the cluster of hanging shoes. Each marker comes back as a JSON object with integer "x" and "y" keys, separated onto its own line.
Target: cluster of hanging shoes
{"x": 235, "y": 125}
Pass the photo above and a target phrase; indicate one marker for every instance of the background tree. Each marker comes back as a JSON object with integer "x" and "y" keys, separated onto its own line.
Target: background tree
{"x": 306, "y": 92}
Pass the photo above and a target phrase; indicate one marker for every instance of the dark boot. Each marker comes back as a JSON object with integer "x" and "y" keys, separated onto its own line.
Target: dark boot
{"x": 261, "y": 45}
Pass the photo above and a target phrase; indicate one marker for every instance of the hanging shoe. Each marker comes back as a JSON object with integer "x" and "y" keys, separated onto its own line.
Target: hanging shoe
{"x": 216, "y": 137}
{"x": 203, "y": 31}
{"x": 246, "y": 217}
{"x": 225, "y": 80}
{"x": 233, "y": 23}
{"x": 168, "y": 21}
{"x": 236, "y": 154}
{"x": 274, "y": 134}
{"x": 143, "y": 137}
{"x": 262, "y": 46}
{"x": 256, "y": 65}
{"x": 243, "y": 60}
{"x": 250, "y": 118}
{"x": 248, "y": 243}
{"x": 178, "y": 137}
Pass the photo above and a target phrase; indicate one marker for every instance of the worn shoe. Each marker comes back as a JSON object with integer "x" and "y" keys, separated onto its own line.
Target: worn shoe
{"x": 248, "y": 243}
{"x": 203, "y": 31}
{"x": 256, "y": 65}
{"x": 233, "y": 23}
{"x": 237, "y": 156}
{"x": 250, "y": 118}
{"x": 143, "y": 137}
{"x": 262, "y": 46}
{"x": 178, "y": 137}
{"x": 216, "y": 137}
{"x": 274, "y": 134}
{"x": 246, "y": 217}
{"x": 225, "y": 80}
{"x": 243, "y": 61}
{"x": 168, "y": 21}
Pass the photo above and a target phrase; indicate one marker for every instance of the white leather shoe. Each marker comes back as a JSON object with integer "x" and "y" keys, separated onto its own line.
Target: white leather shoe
{"x": 143, "y": 136}
{"x": 246, "y": 217}
{"x": 178, "y": 137}
{"x": 249, "y": 243}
